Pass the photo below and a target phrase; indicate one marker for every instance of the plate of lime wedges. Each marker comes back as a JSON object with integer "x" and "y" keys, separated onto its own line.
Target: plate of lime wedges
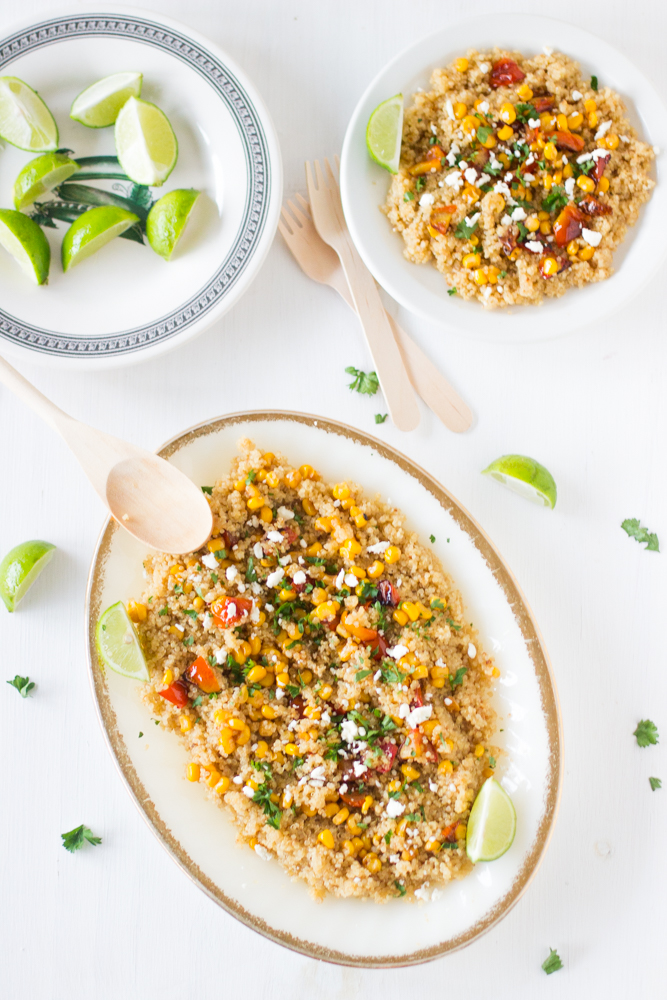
{"x": 140, "y": 187}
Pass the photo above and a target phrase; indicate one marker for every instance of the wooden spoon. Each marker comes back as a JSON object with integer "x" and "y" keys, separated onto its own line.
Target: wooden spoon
{"x": 148, "y": 496}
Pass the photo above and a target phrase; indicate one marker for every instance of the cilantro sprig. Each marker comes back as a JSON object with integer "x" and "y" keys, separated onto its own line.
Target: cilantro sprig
{"x": 263, "y": 798}
{"x": 23, "y": 685}
{"x": 646, "y": 733}
{"x": 464, "y": 231}
{"x": 633, "y": 528}
{"x": 655, "y": 783}
{"x": 364, "y": 382}
{"x": 552, "y": 963}
{"x": 75, "y": 839}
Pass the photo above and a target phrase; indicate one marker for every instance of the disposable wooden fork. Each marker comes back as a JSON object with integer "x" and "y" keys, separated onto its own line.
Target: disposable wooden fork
{"x": 330, "y": 223}
{"x": 321, "y": 263}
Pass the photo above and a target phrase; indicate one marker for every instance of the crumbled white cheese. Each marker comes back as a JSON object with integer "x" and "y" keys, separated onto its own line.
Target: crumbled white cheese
{"x": 258, "y": 550}
{"x": 207, "y": 620}
{"x": 351, "y": 580}
{"x": 299, "y": 577}
{"x": 248, "y": 790}
{"x": 394, "y": 808}
{"x": 237, "y": 779}
{"x": 340, "y": 579}
{"x": 463, "y": 165}
{"x": 624, "y": 138}
{"x": 394, "y": 859}
{"x": 209, "y": 560}
{"x": 472, "y": 652}
{"x": 403, "y": 711}
{"x": 584, "y": 157}
{"x": 359, "y": 768}
{"x": 179, "y": 627}
{"x": 471, "y": 175}
{"x": 534, "y": 246}
{"x": 547, "y": 49}
{"x": 419, "y": 715}
{"x": 432, "y": 786}
{"x": 378, "y": 548}
{"x": 501, "y": 188}
{"x": 396, "y": 652}
{"x": 426, "y": 199}
{"x": 220, "y": 655}
{"x": 534, "y": 122}
{"x": 569, "y": 187}
{"x": 440, "y": 662}
{"x": 600, "y": 154}
{"x": 591, "y": 237}
{"x": 506, "y": 220}
{"x": 231, "y": 572}
{"x": 484, "y": 67}
{"x": 576, "y": 95}
{"x": 269, "y": 607}
{"x": 377, "y": 676}
{"x": 454, "y": 180}
{"x": 434, "y": 129}
{"x": 285, "y": 513}
{"x": 262, "y": 853}
{"x": 472, "y": 220}
{"x": 349, "y": 731}
{"x": 317, "y": 772}
{"x": 449, "y": 108}
{"x": 604, "y": 128}
{"x": 254, "y": 614}
{"x": 274, "y": 536}
{"x": 273, "y": 579}
{"x": 518, "y": 214}
{"x": 284, "y": 560}
{"x": 448, "y": 701}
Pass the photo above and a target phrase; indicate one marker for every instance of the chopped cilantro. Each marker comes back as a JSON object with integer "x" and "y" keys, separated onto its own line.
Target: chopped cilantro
{"x": 655, "y": 783}
{"x": 297, "y": 762}
{"x": 633, "y": 528}
{"x": 263, "y": 798}
{"x": 484, "y": 132}
{"x": 198, "y": 700}
{"x": 140, "y": 735}
{"x": 594, "y": 83}
{"x": 23, "y": 685}
{"x": 646, "y": 733}
{"x": 420, "y": 183}
{"x": 191, "y": 612}
{"x": 360, "y": 674}
{"x": 458, "y": 677}
{"x": 178, "y": 589}
{"x": 523, "y": 232}
{"x": 492, "y": 168}
{"x": 401, "y": 888}
{"x": 464, "y": 231}
{"x": 251, "y": 477}
{"x": 391, "y": 674}
{"x": 451, "y": 291}
{"x": 436, "y": 603}
{"x": 552, "y": 963}
{"x": 367, "y": 384}
{"x": 431, "y": 539}
{"x": 76, "y": 838}
{"x": 555, "y": 200}
{"x": 251, "y": 572}
{"x": 492, "y": 761}
{"x": 525, "y": 111}
{"x": 214, "y": 577}
{"x": 380, "y": 417}
{"x": 207, "y": 489}
{"x": 408, "y": 196}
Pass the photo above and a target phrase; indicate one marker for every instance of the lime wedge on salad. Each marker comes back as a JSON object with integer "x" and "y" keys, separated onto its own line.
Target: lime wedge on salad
{"x": 145, "y": 143}
{"x": 98, "y": 105}
{"x": 26, "y": 242}
{"x": 25, "y": 120}
{"x": 384, "y": 133}
{"x": 491, "y": 824}
{"x": 93, "y": 230}
{"x": 40, "y": 176}
{"x": 168, "y": 218}
{"x": 526, "y": 477}
{"x": 20, "y": 568}
{"x": 118, "y": 644}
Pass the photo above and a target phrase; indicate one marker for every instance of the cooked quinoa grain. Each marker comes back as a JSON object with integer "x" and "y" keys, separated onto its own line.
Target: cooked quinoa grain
{"x": 315, "y": 660}
{"x": 517, "y": 180}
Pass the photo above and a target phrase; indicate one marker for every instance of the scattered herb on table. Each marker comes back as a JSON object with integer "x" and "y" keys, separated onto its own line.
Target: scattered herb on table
{"x": 552, "y": 963}
{"x": 594, "y": 83}
{"x": 363, "y": 382}
{"x": 646, "y": 733}
{"x": 655, "y": 783}
{"x": 633, "y": 528}
{"x": 23, "y": 685}
{"x": 76, "y": 838}
{"x": 380, "y": 417}
{"x": 431, "y": 539}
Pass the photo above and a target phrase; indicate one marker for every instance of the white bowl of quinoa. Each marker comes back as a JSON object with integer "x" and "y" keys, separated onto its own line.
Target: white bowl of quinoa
{"x": 528, "y": 177}
{"x": 332, "y": 679}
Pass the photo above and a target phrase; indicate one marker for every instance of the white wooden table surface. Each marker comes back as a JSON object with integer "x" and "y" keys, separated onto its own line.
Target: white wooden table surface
{"x": 121, "y": 920}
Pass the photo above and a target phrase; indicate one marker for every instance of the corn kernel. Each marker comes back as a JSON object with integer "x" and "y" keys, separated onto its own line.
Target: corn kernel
{"x": 308, "y": 506}
{"x": 420, "y": 672}
{"x": 461, "y": 64}
{"x": 460, "y": 110}
{"x": 351, "y": 548}
{"x": 532, "y": 223}
{"x": 308, "y": 472}
{"x": 291, "y": 750}
{"x": 194, "y": 772}
{"x": 488, "y": 143}
{"x": 495, "y": 672}
{"x": 505, "y": 133}
{"x": 327, "y": 610}
{"x": 293, "y": 478}
{"x": 550, "y": 151}
{"x": 372, "y": 863}
{"x": 168, "y": 678}
{"x": 603, "y": 185}
{"x": 313, "y": 549}
{"x": 593, "y": 119}
{"x": 479, "y": 750}
{"x": 273, "y": 480}
{"x": 239, "y": 485}
{"x": 471, "y": 260}
{"x": 611, "y": 141}
{"x": 434, "y": 846}
{"x": 326, "y": 838}
{"x": 269, "y": 712}
{"x": 545, "y": 228}
{"x": 480, "y": 276}
{"x": 255, "y": 503}
{"x": 586, "y": 184}
{"x": 575, "y": 121}
{"x": 591, "y": 104}
{"x": 331, "y": 809}
{"x": 470, "y": 124}
{"x": 445, "y": 767}
{"x": 400, "y": 617}
{"x": 392, "y": 555}
{"x": 349, "y": 850}
{"x": 282, "y": 679}
{"x": 410, "y": 772}
{"x": 586, "y": 253}
{"x": 543, "y": 216}
{"x": 549, "y": 268}
{"x": 136, "y": 611}
{"x": 341, "y": 491}
{"x": 368, "y": 802}
{"x": 222, "y": 785}
{"x": 213, "y": 776}
{"x": 411, "y": 610}
{"x": 507, "y": 113}
{"x": 261, "y": 750}
{"x": 266, "y": 515}
{"x": 524, "y": 92}
{"x": 186, "y": 723}
{"x": 460, "y": 831}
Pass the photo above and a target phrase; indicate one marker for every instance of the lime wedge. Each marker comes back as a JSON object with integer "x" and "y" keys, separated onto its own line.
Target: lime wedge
{"x": 25, "y": 120}
{"x": 26, "y": 242}
{"x": 93, "y": 230}
{"x": 491, "y": 824}
{"x": 40, "y": 176}
{"x": 98, "y": 105}
{"x": 145, "y": 143}
{"x": 20, "y": 568}
{"x": 526, "y": 477}
{"x": 118, "y": 644}
{"x": 384, "y": 133}
{"x": 168, "y": 218}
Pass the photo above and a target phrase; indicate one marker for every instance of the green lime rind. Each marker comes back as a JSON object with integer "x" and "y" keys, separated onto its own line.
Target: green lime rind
{"x": 99, "y": 104}
{"x": 25, "y": 120}
{"x": 526, "y": 477}
{"x": 118, "y": 644}
{"x": 40, "y": 176}
{"x": 92, "y": 231}
{"x": 168, "y": 218}
{"x": 146, "y": 144}
{"x": 26, "y": 242}
{"x": 384, "y": 133}
{"x": 491, "y": 824}
{"x": 20, "y": 568}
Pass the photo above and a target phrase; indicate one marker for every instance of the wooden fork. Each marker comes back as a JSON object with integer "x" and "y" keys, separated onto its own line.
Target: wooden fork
{"x": 321, "y": 263}
{"x": 330, "y": 223}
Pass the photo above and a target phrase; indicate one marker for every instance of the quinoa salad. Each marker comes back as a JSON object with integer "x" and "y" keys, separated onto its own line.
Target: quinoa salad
{"x": 518, "y": 177}
{"x": 317, "y": 662}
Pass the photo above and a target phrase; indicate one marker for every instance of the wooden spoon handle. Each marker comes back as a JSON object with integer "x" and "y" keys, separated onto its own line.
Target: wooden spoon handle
{"x": 20, "y": 386}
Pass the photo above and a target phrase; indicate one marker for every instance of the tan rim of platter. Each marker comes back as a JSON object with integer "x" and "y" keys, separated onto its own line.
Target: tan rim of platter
{"x": 529, "y": 631}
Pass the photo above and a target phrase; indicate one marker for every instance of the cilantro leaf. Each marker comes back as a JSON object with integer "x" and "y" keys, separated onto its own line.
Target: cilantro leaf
{"x": 451, "y": 291}
{"x": 251, "y": 572}
{"x": 552, "y": 963}
{"x": 483, "y": 133}
{"x": 189, "y": 640}
{"x": 263, "y": 798}
{"x": 594, "y": 83}
{"x": 408, "y": 196}
{"x": 401, "y": 888}
{"x": 360, "y": 674}
{"x": 380, "y": 417}
{"x": 492, "y": 168}
{"x": 165, "y": 611}
{"x": 436, "y": 603}
{"x": 75, "y": 839}
{"x": 525, "y": 111}
{"x": 23, "y": 685}
{"x": 420, "y": 183}
{"x": 655, "y": 783}
{"x": 367, "y": 384}
{"x": 555, "y": 200}
{"x": 633, "y": 528}
{"x": 431, "y": 538}
{"x": 391, "y": 674}
{"x": 463, "y": 231}
{"x": 207, "y": 489}
{"x": 646, "y": 733}
{"x": 458, "y": 676}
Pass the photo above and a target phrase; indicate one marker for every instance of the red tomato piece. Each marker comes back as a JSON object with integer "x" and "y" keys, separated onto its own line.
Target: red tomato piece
{"x": 449, "y": 833}
{"x": 542, "y": 104}
{"x": 230, "y": 611}
{"x": 418, "y": 698}
{"x": 601, "y": 165}
{"x": 590, "y": 205}
{"x": 204, "y": 676}
{"x": 354, "y": 799}
{"x": 388, "y": 594}
{"x": 504, "y": 73}
{"x": 568, "y": 225}
{"x": 568, "y": 140}
{"x": 378, "y": 647}
{"x": 177, "y": 694}
{"x": 389, "y": 750}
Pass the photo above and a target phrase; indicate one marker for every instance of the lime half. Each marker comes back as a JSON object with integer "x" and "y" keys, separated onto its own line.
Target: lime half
{"x": 93, "y": 230}
{"x": 20, "y": 568}
{"x": 118, "y": 644}
{"x": 168, "y": 218}
{"x": 25, "y": 120}
{"x": 491, "y": 824}
{"x": 384, "y": 133}
{"x": 25, "y": 241}
{"x": 40, "y": 176}
{"x": 145, "y": 143}
{"x": 98, "y": 105}
{"x": 526, "y": 477}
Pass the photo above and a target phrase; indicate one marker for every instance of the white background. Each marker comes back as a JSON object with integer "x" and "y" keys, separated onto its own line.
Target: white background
{"x": 121, "y": 920}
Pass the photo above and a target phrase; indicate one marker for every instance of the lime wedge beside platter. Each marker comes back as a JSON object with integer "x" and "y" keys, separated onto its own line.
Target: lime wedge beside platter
{"x": 25, "y": 120}
{"x": 20, "y": 568}
{"x": 93, "y": 230}
{"x": 491, "y": 824}
{"x": 98, "y": 105}
{"x": 384, "y": 133}
{"x": 118, "y": 644}
{"x": 526, "y": 477}
{"x": 26, "y": 242}
{"x": 168, "y": 218}
{"x": 145, "y": 143}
